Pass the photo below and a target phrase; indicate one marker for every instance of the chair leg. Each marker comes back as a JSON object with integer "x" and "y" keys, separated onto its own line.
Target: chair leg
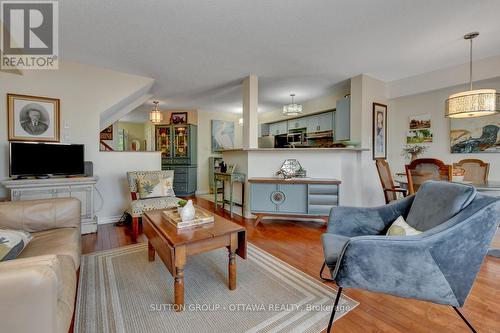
{"x": 135, "y": 228}
{"x": 321, "y": 273}
{"x": 337, "y": 299}
{"x": 465, "y": 320}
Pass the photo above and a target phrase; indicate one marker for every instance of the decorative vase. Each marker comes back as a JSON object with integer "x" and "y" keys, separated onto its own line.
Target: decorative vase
{"x": 188, "y": 212}
{"x": 413, "y": 157}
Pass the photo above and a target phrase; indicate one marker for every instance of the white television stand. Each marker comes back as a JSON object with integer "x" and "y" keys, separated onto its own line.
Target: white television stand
{"x": 82, "y": 188}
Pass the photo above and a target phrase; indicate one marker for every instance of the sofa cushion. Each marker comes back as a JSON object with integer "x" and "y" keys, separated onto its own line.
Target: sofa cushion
{"x": 12, "y": 242}
{"x": 438, "y": 201}
{"x": 332, "y": 247}
{"x": 61, "y": 242}
{"x": 66, "y": 299}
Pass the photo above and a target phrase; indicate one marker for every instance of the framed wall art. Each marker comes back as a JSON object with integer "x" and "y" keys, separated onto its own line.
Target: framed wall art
{"x": 475, "y": 135}
{"x": 33, "y": 118}
{"x": 222, "y": 135}
{"x": 379, "y": 131}
{"x": 179, "y": 118}
{"x": 107, "y": 133}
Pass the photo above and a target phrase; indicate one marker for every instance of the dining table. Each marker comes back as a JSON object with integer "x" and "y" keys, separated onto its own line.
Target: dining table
{"x": 490, "y": 187}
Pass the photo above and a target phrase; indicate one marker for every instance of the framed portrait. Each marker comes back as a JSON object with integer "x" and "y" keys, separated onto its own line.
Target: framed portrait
{"x": 179, "y": 118}
{"x": 379, "y": 131}
{"x": 33, "y": 118}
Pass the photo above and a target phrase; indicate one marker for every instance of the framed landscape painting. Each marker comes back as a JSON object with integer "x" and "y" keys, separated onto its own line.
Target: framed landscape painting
{"x": 420, "y": 122}
{"x": 477, "y": 135}
{"x": 379, "y": 131}
{"x": 33, "y": 118}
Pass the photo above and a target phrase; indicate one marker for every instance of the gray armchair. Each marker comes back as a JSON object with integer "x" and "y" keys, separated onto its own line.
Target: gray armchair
{"x": 439, "y": 265}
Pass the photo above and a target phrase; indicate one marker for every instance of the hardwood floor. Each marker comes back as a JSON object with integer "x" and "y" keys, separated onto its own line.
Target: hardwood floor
{"x": 298, "y": 243}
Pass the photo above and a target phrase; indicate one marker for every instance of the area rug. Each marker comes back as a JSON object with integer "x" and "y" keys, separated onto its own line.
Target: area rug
{"x": 121, "y": 291}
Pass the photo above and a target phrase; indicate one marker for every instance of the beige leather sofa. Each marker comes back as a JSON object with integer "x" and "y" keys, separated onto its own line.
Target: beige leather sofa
{"x": 37, "y": 290}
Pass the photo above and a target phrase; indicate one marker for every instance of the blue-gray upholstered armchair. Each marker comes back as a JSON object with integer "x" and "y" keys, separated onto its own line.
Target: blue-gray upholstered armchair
{"x": 439, "y": 265}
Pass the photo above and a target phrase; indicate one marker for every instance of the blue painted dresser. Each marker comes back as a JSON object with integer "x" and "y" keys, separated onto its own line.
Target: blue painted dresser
{"x": 298, "y": 197}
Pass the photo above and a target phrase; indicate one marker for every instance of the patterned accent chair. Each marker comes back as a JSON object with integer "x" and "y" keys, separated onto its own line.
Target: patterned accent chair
{"x": 139, "y": 206}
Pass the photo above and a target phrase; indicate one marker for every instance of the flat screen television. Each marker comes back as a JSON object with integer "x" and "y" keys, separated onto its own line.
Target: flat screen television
{"x": 45, "y": 159}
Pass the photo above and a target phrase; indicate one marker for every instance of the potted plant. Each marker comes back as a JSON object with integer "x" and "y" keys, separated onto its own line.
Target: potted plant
{"x": 412, "y": 152}
{"x": 180, "y": 205}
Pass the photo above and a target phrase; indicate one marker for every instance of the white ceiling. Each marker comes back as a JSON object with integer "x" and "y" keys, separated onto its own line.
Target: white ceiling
{"x": 198, "y": 51}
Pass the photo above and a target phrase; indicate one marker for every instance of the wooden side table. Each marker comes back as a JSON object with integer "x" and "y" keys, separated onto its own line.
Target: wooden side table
{"x": 231, "y": 178}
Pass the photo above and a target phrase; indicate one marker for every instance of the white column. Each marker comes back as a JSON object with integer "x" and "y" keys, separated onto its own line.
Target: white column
{"x": 366, "y": 90}
{"x": 250, "y": 116}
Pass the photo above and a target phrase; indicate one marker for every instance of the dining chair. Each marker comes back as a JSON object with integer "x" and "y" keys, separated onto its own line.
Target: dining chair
{"x": 423, "y": 169}
{"x": 476, "y": 171}
{"x": 385, "y": 175}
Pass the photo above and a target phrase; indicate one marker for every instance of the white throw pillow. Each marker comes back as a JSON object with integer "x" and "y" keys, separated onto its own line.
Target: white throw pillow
{"x": 401, "y": 228}
{"x": 12, "y": 242}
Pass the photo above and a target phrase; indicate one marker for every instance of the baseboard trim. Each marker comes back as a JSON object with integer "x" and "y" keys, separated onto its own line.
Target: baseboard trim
{"x": 109, "y": 219}
{"x": 201, "y": 192}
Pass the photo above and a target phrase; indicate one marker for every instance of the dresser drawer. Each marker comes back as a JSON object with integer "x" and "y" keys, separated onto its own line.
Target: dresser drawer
{"x": 180, "y": 177}
{"x": 321, "y": 210}
{"x": 180, "y": 188}
{"x": 179, "y": 171}
{"x": 330, "y": 200}
{"x": 323, "y": 189}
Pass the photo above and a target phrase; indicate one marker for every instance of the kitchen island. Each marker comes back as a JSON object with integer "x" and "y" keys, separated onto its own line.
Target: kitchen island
{"x": 343, "y": 164}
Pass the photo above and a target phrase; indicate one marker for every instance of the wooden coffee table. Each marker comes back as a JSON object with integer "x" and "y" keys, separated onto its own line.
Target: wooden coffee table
{"x": 175, "y": 245}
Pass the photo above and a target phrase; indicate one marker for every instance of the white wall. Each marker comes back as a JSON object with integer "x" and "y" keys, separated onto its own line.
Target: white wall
{"x": 85, "y": 92}
{"x": 205, "y": 142}
{"x": 400, "y": 109}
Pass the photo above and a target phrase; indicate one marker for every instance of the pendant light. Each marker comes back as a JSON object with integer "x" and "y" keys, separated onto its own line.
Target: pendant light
{"x": 155, "y": 115}
{"x": 472, "y": 103}
{"x": 292, "y": 109}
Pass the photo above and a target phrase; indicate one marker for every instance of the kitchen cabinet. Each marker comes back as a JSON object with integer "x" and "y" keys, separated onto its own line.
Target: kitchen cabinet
{"x": 278, "y": 128}
{"x": 343, "y": 119}
{"x": 298, "y": 123}
{"x": 320, "y": 122}
{"x": 264, "y": 130}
